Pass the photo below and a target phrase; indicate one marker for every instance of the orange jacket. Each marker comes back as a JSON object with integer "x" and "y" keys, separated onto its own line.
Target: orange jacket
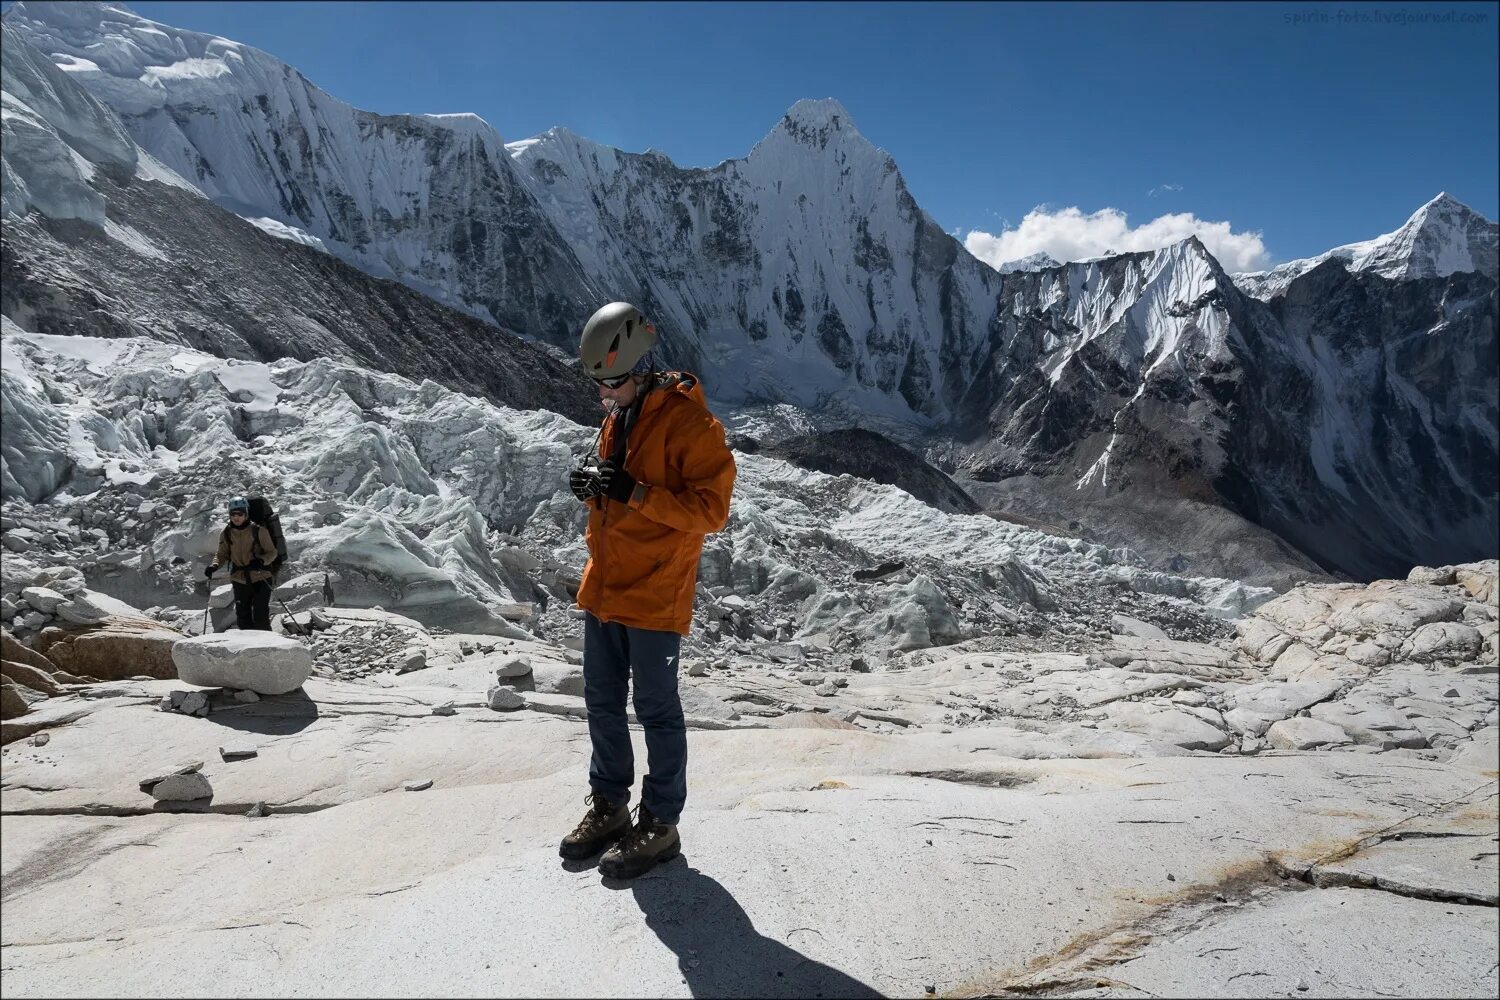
{"x": 643, "y": 556}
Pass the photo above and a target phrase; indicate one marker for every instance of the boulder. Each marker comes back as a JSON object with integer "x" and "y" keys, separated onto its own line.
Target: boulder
{"x": 1297, "y": 609}
{"x": 1479, "y": 579}
{"x": 557, "y": 678}
{"x": 1438, "y": 576}
{"x": 699, "y": 704}
{"x": 508, "y": 666}
{"x": 1371, "y": 724}
{"x": 504, "y": 699}
{"x": 222, "y": 596}
{"x": 81, "y": 609}
{"x": 1443, "y": 641}
{"x": 29, "y": 676}
{"x": 1254, "y": 707}
{"x": 114, "y": 649}
{"x": 186, "y": 702}
{"x": 17, "y": 651}
{"x": 1368, "y": 654}
{"x": 12, "y": 704}
{"x": 1125, "y": 625}
{"x": 300, "y": 586}
{"x": 148, "y": 783}
{"x": 42, "y": 599}
{"x": 262, "y": 662}
{"x": 410, "y": 659}
{"x": 1388, "y": 606}
{"x": 182, "y": 788}
{"x": 1164, "y": 725}
{"x": 1261, "y": 639}
{"x": 1299, "y": 663}
{"x": 1302, "y": 733}
{"x": 66, "y": 580}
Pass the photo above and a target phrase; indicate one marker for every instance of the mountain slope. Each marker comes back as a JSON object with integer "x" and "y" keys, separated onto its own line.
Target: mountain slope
{"x": 142, "y": 254}
{"x": 1354, "y": 415}
{"x": 431, "y": 200}
{"x": 803, "y": 272}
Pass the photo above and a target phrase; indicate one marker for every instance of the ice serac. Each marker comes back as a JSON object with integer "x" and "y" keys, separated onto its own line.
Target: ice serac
{"x": 802, "y": 272}
{"x": 55, "y": 137}
{"x": 431, "y": 200}
{"x": 1443, "y": 237}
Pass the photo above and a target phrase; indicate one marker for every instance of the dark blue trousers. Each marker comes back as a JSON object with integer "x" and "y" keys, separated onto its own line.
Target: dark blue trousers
{"x": 613, "y": 656}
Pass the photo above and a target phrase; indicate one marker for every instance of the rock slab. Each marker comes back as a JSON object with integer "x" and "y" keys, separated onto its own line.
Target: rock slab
{"x": 262, "y": 662}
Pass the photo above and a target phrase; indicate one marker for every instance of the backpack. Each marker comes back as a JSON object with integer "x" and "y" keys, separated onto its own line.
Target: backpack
{"x": 263, "y": 514}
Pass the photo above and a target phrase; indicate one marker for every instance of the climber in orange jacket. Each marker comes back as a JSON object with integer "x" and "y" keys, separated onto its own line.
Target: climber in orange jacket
{"x": 662, "y": 481}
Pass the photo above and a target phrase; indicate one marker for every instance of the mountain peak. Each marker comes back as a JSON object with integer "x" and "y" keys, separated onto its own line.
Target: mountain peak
{"x": 817, "y": 113}
{"x": 1039, "y": 261}
{"x": 1441, "y": 237}
{"x": 817, "y": 123}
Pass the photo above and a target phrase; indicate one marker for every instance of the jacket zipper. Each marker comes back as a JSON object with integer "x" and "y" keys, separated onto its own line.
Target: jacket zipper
{"x": 604, "y": 508}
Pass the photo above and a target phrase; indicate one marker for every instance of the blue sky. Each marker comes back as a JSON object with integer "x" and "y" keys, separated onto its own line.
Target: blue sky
{"x": 1312, "y": 134}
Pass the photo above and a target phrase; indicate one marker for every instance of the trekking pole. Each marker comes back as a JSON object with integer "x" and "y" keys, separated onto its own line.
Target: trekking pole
{"x": 296, "y": 625}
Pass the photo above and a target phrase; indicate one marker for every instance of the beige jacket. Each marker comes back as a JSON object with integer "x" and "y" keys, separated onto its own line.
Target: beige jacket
{"x": 240, "y": 545}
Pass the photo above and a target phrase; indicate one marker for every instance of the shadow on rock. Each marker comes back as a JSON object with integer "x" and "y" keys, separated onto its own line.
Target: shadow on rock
{"x": 273, "y": 715}
{"x": 718, "y": 949}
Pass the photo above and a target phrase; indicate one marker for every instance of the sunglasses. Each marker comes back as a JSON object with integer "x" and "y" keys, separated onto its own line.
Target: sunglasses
{"x": 613, "y": 383}
{"x": 239, "y": 513}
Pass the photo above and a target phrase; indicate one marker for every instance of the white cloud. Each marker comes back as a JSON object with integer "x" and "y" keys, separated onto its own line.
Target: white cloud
{"x": 1068, "y": 234}
{"x": 1163, "y": 189}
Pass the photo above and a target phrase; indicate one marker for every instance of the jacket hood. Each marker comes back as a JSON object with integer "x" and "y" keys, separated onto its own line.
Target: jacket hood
{"x": 680, "y": 383}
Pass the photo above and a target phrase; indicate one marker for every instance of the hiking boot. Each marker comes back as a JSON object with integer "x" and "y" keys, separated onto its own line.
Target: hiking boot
{"x": 648, "y": 842}
{"x": 601, "y": 826}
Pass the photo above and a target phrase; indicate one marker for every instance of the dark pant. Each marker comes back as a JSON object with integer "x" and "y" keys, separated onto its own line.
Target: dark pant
{"x": 252, "y": 605}
{"x": 613, "y": 655}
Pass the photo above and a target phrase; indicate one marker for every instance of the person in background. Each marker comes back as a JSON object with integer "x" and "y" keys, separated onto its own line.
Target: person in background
{"x": 250, "y": 552}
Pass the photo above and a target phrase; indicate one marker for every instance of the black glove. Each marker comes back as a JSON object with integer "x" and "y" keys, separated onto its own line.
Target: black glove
{"x": 617, "y": 483}
{"x": 256, "y": 564}
{"x": 210, "y": 569}
{"x": 276, "y": 564}
{"x": 585, "y": 484}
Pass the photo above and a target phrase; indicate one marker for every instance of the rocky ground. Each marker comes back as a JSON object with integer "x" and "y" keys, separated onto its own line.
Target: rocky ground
{"x": 1307, "y": 807}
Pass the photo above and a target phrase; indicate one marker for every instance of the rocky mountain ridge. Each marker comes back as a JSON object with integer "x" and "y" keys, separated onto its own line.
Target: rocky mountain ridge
{"x": 1148, "y": 377}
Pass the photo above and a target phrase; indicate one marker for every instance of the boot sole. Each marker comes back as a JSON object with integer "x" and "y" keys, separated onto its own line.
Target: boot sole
{"x": 625, "y": 871}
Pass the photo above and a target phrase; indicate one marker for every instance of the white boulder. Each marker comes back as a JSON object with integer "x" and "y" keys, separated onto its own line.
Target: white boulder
{"x": 262, "y": 662}
{"x": 43, "y": 599}
{"x": 1302, "y": 733}
{"x": 182, "y": 788}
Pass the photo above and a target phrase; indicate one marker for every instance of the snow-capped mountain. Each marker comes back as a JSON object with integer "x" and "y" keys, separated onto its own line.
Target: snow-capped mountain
{"x": 1039, "y": 261}
{"x": 1354, "y": 415}
{"x": 803, "y": 272}
{"x": 803, "y": 281}
{"x": 1443, "y": 237}
{"x": 101, "y": 239}
{"x": 431, "y": 200}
